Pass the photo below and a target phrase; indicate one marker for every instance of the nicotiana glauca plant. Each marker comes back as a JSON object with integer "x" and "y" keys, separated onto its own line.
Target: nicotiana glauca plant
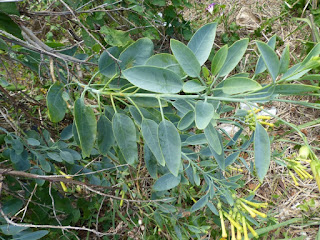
{"x": 163, "y": 113}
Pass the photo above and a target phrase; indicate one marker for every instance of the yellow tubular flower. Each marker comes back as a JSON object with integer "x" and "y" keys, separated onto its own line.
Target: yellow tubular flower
{"x": 245, "y": 232}
{"x": 300, "y": 172}
{"x": 264, "y": 117}
{"x": 266, "y": 123}
{"x": 239, "y": 237}
{"x": 315, "y": 167}
{"x": 259, "y": 213}
{"x": 254, "y": 204}
{"x": 224, "y": 232}
{"x": 62, "y": 173}
{"x": 294, "y": 178}
{"x": 64, "y": 187}
{"x": 249, "y": 210}
{"x": 233, "y": 233}
{"x": 122, "y": 196}
{"x": 234, "y": 223}
{"x": 254, "y": 233}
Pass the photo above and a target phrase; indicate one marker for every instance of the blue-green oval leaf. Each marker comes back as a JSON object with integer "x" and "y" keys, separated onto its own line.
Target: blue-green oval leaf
{"x": 154, "y": 79}
{"x": 124, "y": 132}
{"x": 284, "y": 60}
{"x": 186, "y": 121}
{"x": 149, "y": 129}
{"x": 202, "y": 41}
{"x": 105, "y": 136}
{"x": 212, "y": 136}
{"x": 86, "y": 125}
{"x": 236, "y": 85}
{"x": 193, "y": 86}
{"x": 186, "y": 58}
{"x": 219, "y": 59}
{"x": 56, "y": 105}
{"x": 170, "y": 144}
{"x": 262, "y": 153}
{"x": 290, "y": 89}
{"x": 270, "y": 59}
{"x": 107, "y": 65}
{"x": 166, "y": 182}
{"x": 200, "y": 203}
{"x": 235, "y": 53}
{"x": 261, "y": 67}
{"x": 136, "y": 54}
{"x": 204, "y": 114}
{"x": 167, "y": 61}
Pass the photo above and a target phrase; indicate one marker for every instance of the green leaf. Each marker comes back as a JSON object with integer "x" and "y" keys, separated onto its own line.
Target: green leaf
{"x": 105, "y": 136}
{"x": 197, "y": 139}
{"x": 284, "y": 60}
{"x": 4, "y": 47}
{"x": 9, "y": 8}
{"x": 212, "y": 136}
{"x": 136, "y": 54}
{"x": 31, "y": 235}
{"x": 107, "y": 65}
{"x": 33, "y": 142}
{"x": 193, "y": 86}
{"x": 125, "y": 134}
{"x": 262, "y": 153}
{"x": 236, "y": 85}
{"x": 151, "y": 162}
{"x": 219, "y": 59}
{"x": 200, "y": 203}
{"x": 261, "y": 67}
{"x": 54, "y": 156}
{"x": 149, "y": 102}
{"x": 213, "y": 208}
{"x": 57, "y": 107}
{"x": 8, "y": 229}
{"x": 186, "y": 121}
{"x": 202, "y": 41}
{"x": 115, "y": 37}
{"x": 270, "y": 59}
{"x": 186, "y": 58}
{"x": 67, "y": 156}
{"x": 149, "y": 129}
{"x": 8, "y": 25}
{"x": 235, "y": 53}
{"x": 290, "y": 89}
{"x": 315, "y": 51}
{"x": 170, "y": 144}
{"x": 204, "y": 114}
{"x": 166, "y": 61}
{"x": 86, "y": 125}
{"x": 166, "y": 182}
{"x": 154, "y": 79}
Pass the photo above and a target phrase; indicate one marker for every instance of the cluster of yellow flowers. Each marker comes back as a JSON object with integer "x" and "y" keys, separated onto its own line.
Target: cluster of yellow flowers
{"x": 238, "y": 222}
{"x": 250, "y": 119}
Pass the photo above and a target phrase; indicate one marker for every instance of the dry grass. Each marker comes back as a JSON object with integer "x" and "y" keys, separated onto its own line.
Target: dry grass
{"x": 278, "y": 187}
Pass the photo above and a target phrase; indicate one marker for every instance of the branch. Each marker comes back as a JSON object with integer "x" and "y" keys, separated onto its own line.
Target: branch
{"x": 49, "y": 179}
{"x": 10, "y": 38}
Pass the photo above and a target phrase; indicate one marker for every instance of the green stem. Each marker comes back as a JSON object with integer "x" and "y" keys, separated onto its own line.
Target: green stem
{"x": 161, "y": 110}
{"x": 134, "y": 104}
{"x": 93, "y": 76}
{"x": 113, "y": 105}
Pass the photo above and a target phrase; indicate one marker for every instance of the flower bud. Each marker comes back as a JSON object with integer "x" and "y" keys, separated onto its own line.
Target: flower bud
{"x": 304, "y": 152}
